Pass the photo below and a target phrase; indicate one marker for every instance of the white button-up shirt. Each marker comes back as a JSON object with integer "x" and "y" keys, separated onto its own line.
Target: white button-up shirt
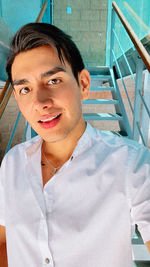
{"x": 84, "y": 215}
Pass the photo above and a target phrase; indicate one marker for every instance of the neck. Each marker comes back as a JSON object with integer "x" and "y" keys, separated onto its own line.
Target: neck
{"x": 59, "y": 152}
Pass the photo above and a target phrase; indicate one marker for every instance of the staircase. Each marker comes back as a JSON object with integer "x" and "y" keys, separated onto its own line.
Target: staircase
{"x": 104, "y": 82}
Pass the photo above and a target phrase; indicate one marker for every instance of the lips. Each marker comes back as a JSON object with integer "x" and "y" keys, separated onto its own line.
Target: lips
{"x": 49, "y": 122}
{"x": 50, "y": 118}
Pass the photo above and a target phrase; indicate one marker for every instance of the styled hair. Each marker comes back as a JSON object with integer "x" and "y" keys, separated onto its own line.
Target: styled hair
{"x": 33, "y": 35}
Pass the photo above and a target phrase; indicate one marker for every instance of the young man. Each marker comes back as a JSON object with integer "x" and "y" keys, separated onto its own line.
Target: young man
{"x": 71, "y": 196}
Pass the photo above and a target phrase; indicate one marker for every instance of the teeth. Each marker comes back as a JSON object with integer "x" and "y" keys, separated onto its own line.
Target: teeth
{"x": 49, "y": 119}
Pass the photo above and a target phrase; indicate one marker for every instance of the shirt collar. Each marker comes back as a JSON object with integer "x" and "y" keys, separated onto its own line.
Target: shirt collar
{"x": 35, "y": 144}
{"x": 84, "y": 140}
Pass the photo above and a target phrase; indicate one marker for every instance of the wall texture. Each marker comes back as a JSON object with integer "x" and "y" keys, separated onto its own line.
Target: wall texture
{"x": 86, "y": 24}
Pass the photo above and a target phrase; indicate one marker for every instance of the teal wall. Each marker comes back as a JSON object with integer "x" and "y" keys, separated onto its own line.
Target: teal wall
{"x": 15, "y": 13}
{"x": 4, "y": 47}
{"x": 137, "y": 13}
{"x": 86, "y": 23}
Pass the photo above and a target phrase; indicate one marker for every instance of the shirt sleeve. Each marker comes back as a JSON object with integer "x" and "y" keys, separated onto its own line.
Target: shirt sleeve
{"x": 139, "y": 188}
{"x": 2, "y": 202}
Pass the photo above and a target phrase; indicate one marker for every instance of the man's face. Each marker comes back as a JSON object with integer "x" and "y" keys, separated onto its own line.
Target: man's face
{"x": 48, "y": 94}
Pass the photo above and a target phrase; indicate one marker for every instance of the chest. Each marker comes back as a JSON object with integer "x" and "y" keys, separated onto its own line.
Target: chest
{"x": 72, "y": 192}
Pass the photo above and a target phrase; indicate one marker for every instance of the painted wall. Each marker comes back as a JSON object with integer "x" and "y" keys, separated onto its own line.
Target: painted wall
{"x": 15, "y": 13}
{"x": 4, "y": 47}
{"x": 86, "y": 22}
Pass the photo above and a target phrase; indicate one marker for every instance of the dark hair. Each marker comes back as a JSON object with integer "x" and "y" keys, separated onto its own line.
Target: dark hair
{"x": 33, "y": 35}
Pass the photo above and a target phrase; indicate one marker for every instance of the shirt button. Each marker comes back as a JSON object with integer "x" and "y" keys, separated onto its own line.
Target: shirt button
{"x": 47, "y": 260}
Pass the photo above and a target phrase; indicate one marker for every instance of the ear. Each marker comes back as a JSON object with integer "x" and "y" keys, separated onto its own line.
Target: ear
{"x": 84, "y": 81}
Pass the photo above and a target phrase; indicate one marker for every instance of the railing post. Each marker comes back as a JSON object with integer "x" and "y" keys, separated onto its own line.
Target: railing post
{"x": 108, "y": 37}
{"x": 112, "y": 37}
{"x": 145, "y": 123}
{"x": 137, "y": 100}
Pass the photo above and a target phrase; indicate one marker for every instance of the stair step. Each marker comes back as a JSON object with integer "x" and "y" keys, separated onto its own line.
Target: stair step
{"x": 101, "y": 77}
{"x": 102, "y": 88}
{"x": 102, "y": 116}
{"x": 99, "y": 70}
{"x": 100, "y": 101}
{"x": 111, "y": 132}
{"x": 140, "y": 253}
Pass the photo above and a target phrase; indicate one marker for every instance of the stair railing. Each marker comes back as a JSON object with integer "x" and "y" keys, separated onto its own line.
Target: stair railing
{"x": 4, "y": 91}
{"x": 141, "y": 123}
{"x": 42, "y": 11}
{"x": 4, "y": 97}
{"x": 7, "y": 91}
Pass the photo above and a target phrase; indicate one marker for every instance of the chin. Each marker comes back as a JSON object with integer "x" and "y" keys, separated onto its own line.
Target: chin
{"x": 53, "y": 138}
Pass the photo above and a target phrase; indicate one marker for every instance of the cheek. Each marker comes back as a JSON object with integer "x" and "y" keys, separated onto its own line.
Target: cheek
{"x": 25, "y": 109}
{"x": 72, "y": 101}
{"x": 71, "y": 95}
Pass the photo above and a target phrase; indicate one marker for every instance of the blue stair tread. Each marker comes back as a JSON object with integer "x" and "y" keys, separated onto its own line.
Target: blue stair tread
{"x": 102, "y": 116}
{"x": 100, "y": 77}
{"x": 100, "y": 101}
{"x": 111, "y": 132}
{"x": 102, "y": 88}
{"x": 140, "y": 253}
{"x": 99, "y": 70}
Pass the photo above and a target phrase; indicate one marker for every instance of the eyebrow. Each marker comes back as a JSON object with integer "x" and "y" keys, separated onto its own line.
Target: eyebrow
{"x": 19, "y": 82}
{"x": 52, "y": 72}
{"x": 43, "y": 75}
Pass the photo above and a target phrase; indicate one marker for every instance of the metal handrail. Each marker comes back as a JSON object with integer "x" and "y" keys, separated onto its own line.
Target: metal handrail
{"x": 42, "y": 11}
{"x": 5, "y": 100}
{"x": 2, "y": 95}
{"x": 137, "y": 43}
{"x": 117, "y": 65}
{"x": 124, "y": 55}
{"x": 145, "y": 105}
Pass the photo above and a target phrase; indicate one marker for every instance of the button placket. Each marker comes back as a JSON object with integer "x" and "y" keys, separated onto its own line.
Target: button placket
{"x": 49, "y": 199}
{"x": 43, "y": 239}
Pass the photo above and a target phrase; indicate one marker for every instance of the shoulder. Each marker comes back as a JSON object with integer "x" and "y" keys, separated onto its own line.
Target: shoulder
{"x": 18, "y": 152}
{"x": 115, "y": 140}
{"x": 120, "y": 146}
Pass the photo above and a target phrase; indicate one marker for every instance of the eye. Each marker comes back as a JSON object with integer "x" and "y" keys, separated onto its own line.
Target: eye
{"x": 54, "y": 81}
{"x": 24, "y": 91}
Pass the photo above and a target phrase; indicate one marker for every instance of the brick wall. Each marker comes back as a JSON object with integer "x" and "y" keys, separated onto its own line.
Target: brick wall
{"x": 86, "y": 24}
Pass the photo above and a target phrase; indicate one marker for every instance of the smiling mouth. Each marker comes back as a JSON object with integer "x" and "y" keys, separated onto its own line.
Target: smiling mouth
{"x": 49, "y": 119}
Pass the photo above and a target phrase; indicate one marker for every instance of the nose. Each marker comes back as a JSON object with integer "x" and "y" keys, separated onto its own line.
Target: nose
{"x": 42, "y": 99}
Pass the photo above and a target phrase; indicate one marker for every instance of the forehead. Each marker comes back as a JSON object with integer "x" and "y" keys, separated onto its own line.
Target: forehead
{"x": 36, "y": 60}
